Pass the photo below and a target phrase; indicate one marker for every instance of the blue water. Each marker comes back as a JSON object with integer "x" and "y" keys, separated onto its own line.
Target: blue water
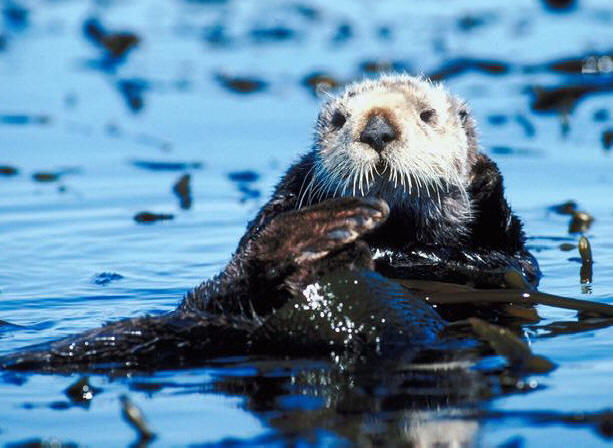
{"x": 57, "y": 238}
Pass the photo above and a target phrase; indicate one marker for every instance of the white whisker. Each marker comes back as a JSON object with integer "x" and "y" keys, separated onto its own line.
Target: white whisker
{"x": 300, "y": 192}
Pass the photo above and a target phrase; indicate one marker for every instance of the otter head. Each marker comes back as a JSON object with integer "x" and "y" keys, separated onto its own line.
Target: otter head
{"x": 400, "y": 138}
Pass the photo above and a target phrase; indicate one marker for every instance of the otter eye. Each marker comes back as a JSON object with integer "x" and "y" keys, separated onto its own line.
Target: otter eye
{"x": 338, "y": 119}
{"x": 427, "y": 115}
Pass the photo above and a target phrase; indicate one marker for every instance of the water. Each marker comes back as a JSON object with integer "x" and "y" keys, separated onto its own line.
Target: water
{"x": 62, "y": 111}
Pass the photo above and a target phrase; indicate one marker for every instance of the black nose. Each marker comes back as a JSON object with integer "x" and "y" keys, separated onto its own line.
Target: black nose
{"x": 378, "y": 133}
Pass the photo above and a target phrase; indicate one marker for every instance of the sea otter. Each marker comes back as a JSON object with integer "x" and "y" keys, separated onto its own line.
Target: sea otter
{"x": 394, "y": 187}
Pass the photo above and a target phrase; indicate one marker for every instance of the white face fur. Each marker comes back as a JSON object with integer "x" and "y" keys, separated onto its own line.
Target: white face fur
{"x": 428, "y": 156}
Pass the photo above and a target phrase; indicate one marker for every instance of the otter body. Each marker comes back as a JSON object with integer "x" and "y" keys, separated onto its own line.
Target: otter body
{"x": 395, "y": 186}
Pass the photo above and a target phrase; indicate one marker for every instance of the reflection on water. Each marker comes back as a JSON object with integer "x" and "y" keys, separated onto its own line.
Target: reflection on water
{"x": 116, "y": 115}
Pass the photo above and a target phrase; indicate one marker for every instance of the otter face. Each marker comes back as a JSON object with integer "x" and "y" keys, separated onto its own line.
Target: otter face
{"x": 398, "y": 137}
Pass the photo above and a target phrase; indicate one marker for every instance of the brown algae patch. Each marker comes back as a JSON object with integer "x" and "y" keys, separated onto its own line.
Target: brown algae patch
{"x": 505, "y": 343}
{"x": 580, "y": 222}
{"x": 115, "y": 44}
{"x": 136, "y": 419}
{"x": 149, "y": 217}
{"x": 585, "y": 250}
{"x": 241, "y": 84}
{"x": 46, "y": 176}
{"x": 7, "y": 170}
{"x": 183, "y": 191}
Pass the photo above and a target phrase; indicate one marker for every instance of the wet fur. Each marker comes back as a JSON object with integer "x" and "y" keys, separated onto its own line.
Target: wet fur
{"x": 457, "y": 228}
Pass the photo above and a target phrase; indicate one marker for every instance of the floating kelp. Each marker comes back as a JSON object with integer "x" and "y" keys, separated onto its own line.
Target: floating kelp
{"x": 382, "y": 66}
{"x": 115, "y": 44}
{"x": 105, "y": 278}
{"x": 53, "y": 176}
{"x": 272, "y": 34}
{"x": 149, "y": 217}
{"x": 519, "y": 292}
{"x": 457, "y": 67}
{"x": 183, "y": 191}
{"x": 563, "y": 99}
{"x": 565, "y": 208}
{"x": 132, "y": 91}
{"x": 343, "y": 33}
{"x": 567, "y": 247}
{"x": 581, "y": 65}
{"x": 242, "y": 85}
{"x": 118, "y": 44}
{"x": 7, "y": 170}
{"x": 585, "y": 250}
{"x": 166, "y": 166}
{"x": 505, "y": 343}
{"x": 20, "y": 120}
{"x": 580, "y": 222}
{"x": 243, "y": 176}
{"x": 46, "y": 176}
{"x": 317, "y": 82}
{"x": 135, "y": 418}
{"x": 560, "y": 5}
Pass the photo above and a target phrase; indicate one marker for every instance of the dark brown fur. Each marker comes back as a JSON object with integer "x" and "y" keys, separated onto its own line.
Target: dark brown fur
{"x": 285, "y": 249}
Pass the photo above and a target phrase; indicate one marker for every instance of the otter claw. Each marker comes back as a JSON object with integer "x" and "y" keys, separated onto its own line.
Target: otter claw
{"x": 365, "y": 219}
{"x": 378, "y": 205}
{"x": 341, "y": 234}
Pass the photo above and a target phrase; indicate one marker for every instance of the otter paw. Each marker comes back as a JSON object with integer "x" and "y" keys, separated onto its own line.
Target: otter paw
{"x": 312, "y": 233}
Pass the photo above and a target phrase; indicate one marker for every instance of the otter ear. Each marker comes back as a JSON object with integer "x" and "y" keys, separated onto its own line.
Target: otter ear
{"x": 468, "y": 123}
{"x": 462, "y": 110}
